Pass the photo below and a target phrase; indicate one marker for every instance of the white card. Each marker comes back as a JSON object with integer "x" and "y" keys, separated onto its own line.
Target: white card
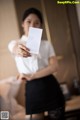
{"x": 34, "y": 40}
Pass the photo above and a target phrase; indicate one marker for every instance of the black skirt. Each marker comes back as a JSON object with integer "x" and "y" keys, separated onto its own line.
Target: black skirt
{"x": 43, "y": 94}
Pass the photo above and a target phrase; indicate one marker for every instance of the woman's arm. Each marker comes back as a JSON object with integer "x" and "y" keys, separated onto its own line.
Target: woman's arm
{"x": 50, "y": 69}
{"x": 18, "y": 49}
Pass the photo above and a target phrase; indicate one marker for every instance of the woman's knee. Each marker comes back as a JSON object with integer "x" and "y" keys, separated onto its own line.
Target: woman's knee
{"x": 39, "y": 116}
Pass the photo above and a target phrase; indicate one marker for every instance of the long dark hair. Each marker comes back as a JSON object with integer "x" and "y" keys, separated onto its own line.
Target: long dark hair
{"x": 32, "y": 11}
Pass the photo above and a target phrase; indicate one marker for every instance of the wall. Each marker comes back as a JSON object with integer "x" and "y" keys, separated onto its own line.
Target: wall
{"x": 8, "y": 30}
{"x": 78, "y": 12}
{"x": 61, "y": 37}
{"x": 77, "y": 36}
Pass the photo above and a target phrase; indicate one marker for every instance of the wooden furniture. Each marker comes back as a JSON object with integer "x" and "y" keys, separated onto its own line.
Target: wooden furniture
{"x": 72, "y": 109}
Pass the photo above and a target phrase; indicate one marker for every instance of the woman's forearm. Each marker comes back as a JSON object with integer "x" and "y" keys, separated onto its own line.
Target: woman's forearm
{"x": 46, "y": 71}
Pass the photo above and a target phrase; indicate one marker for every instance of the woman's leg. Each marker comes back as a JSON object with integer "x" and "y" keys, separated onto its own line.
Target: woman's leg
{"x": 39, "y": 116}
{"x": 27, "y": 117}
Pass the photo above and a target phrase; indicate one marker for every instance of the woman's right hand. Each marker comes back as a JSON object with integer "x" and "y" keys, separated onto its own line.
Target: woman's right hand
{"x": 21, "y": 50}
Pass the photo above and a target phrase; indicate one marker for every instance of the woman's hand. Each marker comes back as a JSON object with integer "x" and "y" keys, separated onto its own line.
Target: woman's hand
{"x": 21, "y": 50}
{"x": 27, "y": 77}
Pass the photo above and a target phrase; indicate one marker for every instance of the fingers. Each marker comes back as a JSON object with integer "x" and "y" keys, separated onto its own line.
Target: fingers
{"x": 22, "y": 77}
{"x": 24, "y": 54}
{"x": 23, "y": 51}
{"x": 23, "y": 47}
{"x": 25, "y": 77}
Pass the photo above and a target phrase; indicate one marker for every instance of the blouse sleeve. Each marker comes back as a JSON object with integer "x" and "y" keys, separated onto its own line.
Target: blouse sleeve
{"x": 51, "y": 51}
{"x": 11, "y": 45}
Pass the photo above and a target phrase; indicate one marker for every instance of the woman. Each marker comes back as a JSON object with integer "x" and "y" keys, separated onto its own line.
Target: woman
{"x": 42, "y": 91}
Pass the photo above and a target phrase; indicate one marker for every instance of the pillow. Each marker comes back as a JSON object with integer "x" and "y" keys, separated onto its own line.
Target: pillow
{"x": 9, "y": 86}
{"x": 4, "y": 89}
{"x": 15, "y": 85}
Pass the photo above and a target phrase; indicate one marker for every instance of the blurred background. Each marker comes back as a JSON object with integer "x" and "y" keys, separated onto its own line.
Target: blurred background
{"x": 61, "y": 28}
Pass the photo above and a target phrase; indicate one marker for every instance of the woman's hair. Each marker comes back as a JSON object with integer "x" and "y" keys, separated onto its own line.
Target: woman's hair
{"x": 32, "y": 11}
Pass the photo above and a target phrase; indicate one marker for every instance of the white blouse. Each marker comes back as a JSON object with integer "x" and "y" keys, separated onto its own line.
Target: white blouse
{"x": 33, "y": 63}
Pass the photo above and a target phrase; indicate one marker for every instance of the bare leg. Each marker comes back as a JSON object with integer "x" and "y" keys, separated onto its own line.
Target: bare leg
{"x": 27, "y": 117}
{"x": 39, "y": 116}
